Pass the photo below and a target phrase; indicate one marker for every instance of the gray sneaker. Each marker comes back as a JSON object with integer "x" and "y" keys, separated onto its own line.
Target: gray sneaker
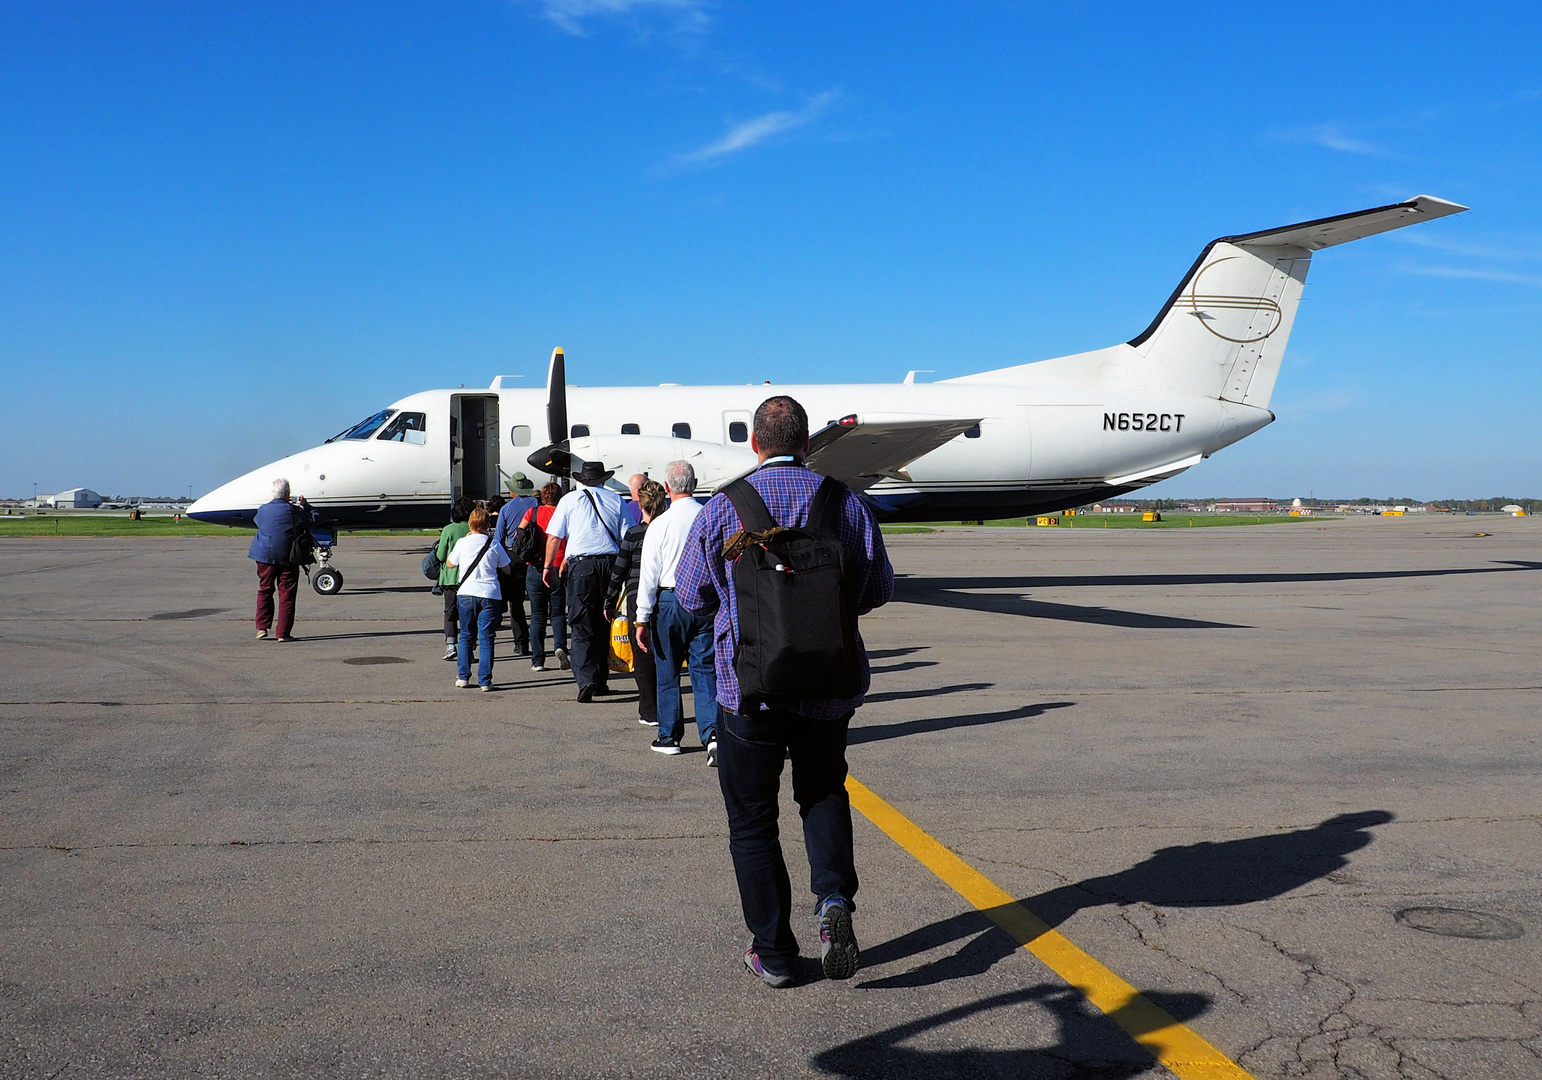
{"x": 838, "y": 953}
{"x": 562, "y": 660}
{"x": 772, "y": 979}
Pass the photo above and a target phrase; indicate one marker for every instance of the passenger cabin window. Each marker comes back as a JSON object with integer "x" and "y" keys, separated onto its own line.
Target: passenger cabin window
{"x": 520, "y": 435}
{"x": 364, "y": 428}
{"x": 408, "y": 427}
{"x": 972, "y": 433}
{"x": 579, "y": 430}
{"x": 738, "y": 431}
{"x": 681, "y": 431}
{"x": 630, "y": 429}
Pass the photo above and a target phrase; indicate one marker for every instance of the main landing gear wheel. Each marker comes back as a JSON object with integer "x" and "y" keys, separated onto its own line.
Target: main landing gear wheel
{"x": 327, "y": 581}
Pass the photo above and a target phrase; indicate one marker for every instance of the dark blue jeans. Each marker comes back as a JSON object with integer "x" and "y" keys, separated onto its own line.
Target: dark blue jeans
{"x": 479, "y": 615}
{"x": 749, "y": 768}
{"x": 679, "y": 635}
{"x": 545, "y": 603}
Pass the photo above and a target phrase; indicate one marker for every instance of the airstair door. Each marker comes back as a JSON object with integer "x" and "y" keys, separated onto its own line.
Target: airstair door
{"x": 474, "y": 446}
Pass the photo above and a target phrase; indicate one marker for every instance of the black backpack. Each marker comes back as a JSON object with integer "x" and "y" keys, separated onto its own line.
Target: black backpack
{"x": 528, "y": 545}
{"x": 302, "y": 548}
{"x": 797, "y": 602}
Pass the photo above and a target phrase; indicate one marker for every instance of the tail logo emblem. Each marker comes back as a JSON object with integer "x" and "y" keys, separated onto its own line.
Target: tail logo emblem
{"x": 1201, "y": 305}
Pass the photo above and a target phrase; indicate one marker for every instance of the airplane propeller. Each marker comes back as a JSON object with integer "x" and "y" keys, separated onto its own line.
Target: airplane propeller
{"x": 554, "y": 458}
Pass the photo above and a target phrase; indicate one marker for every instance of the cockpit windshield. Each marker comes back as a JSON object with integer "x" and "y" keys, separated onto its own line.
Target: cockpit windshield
{"x": 364, "y": 428}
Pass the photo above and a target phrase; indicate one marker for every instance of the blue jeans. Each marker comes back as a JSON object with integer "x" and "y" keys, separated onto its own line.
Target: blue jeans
{"x": 544, "y": 602}
{"x": 481, "y": 613}
{"x": 749, "y": 769}
{"x": 679, "y": 635}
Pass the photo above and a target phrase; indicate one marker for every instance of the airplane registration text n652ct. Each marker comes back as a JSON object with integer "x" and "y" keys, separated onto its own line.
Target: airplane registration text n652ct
{"x": 1029, "y": 439}
{"x": 1143, "y": 421}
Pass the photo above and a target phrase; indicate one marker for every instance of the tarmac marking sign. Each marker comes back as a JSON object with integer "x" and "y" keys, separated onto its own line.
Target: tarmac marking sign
{"x": 1172, "y": 1043}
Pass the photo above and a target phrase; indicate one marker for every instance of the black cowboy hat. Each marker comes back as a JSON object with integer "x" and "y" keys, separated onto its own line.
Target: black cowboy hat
{"x": 594, "y": 473}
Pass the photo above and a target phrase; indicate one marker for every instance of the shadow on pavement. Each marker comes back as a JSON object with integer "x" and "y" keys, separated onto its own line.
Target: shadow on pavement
{"x": 436, "y": 632}
{"x": 885, "y": 654}
{"x": 898, "y": 730}
{"x": 1090, "y": 1044}
{"x": 934, "y": 584}
{"x": 935, "y": 691}
{"x": 945, "y": 592}
{"x": 1206, "y": 874}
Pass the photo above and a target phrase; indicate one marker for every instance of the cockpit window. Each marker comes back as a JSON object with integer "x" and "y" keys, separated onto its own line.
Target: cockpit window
{"x": 364, "y": 428}
{"x": 407, "y": 427}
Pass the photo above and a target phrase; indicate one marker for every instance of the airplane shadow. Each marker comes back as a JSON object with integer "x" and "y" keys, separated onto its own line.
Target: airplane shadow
{"x": 1089, "y": 1043}
{"x": 945, "y": 592}
{"x": 933, "y": 584}
{"x": 373, "y": 634}
{"x": 954, "y": 592}
{"x": 880, "y": 732}
{"x": 1207, "y": 874}
{"x": 377, "y": 589}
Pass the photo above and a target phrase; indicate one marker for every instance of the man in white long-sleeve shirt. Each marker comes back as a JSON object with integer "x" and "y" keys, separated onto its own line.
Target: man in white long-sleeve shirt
{"x": 670, "y": 631}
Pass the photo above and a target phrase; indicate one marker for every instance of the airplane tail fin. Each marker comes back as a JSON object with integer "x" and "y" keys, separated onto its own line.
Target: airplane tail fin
{"x": 1223, "y": 331}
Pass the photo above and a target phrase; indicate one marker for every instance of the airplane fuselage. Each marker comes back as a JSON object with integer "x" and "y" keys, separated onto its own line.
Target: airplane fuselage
{"x": 1036, "y": 448}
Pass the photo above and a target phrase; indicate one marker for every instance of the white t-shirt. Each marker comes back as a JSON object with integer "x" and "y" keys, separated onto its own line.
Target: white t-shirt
{"x": 663, "y": 545}
{"x": 484, "y": 576}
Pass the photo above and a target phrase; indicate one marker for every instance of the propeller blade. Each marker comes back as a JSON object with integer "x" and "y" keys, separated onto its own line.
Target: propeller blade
{"x": 557, "y": 399}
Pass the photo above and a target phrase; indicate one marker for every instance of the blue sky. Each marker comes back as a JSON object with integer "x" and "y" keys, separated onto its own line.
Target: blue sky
{"x": 227, "y": 231}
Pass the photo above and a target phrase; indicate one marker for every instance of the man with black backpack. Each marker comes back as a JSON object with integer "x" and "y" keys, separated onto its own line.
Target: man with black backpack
{"x": 785, "y": 561}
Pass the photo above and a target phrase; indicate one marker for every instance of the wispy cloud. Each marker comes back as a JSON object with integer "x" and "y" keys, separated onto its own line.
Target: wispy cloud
{"x": 570, "y": 15}
{"x": 1331, "y": 137}
{"x": 1533, "y": 280}
{"x": 750, "y": 132}
{"x": 1471, "y": 251}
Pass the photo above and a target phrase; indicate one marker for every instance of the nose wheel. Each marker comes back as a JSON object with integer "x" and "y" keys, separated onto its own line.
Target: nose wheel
{"x": 325, "y": 578}
{"x": 328, "y": 581}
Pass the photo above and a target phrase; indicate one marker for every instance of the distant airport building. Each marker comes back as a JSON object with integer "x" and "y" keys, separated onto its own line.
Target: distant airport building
{"x": 75, "y": 498}
{"x": 1245, "y": 506}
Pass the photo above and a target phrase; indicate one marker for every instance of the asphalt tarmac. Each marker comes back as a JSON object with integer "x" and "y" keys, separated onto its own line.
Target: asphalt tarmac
{"x": 1285, "y": 780}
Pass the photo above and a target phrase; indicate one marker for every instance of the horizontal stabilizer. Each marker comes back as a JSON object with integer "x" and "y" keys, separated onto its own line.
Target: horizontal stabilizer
{"x": 860, "y": 450}
{"x": 1325, "y": 232}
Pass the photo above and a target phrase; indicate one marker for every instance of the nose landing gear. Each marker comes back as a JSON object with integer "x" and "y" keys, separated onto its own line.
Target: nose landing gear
{"x": 325, "y": 578}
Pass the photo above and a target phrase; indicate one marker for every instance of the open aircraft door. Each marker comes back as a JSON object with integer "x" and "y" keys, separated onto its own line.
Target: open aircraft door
{"x": 474, "y": 446}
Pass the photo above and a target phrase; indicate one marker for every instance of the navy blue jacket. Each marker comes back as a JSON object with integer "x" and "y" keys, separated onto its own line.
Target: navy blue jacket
{"x": 277, "y": 521}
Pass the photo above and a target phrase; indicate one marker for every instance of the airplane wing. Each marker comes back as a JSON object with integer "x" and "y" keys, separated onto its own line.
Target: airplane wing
{"x": 862, "y": 449}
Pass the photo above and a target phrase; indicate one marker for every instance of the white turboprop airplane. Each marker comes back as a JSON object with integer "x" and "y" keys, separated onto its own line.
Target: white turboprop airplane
{"x": 1029, "y": 439}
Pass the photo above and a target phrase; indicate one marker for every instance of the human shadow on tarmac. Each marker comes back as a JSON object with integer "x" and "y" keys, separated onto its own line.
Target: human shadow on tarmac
{"x": 1206, "y": 874}
{"x": 946, "y": 592}
{"x": 1090, "y": 1044}
{"x": 879, "y": 732}
{"x": 933, "y": 691}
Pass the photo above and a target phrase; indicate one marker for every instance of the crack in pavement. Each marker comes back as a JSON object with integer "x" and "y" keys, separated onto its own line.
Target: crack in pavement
{"x": 358, "y": 840}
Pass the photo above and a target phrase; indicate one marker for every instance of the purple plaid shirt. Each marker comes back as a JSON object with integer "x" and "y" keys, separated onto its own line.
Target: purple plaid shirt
{"x": 704, "y": 585}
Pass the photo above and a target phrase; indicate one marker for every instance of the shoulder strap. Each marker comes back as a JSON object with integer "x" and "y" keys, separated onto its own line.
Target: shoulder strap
{"x": 595, "y": 506}
{"x": 466, "y": 573}
{"x": 824, "y": 514}
{"x": 751, "y": 508}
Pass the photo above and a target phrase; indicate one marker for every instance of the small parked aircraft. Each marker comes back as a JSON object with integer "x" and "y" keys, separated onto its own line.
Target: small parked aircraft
{"x": 1029, "y": 439}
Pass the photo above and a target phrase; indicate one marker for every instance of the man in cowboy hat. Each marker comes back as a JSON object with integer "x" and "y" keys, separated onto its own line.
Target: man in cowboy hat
{"x": 512, "y": 581}
{"x": 591, "y": 518}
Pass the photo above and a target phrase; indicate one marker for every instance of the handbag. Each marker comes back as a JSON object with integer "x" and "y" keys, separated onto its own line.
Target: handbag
{"x": 432, "y": 565}
{"x": 622, "y": 659}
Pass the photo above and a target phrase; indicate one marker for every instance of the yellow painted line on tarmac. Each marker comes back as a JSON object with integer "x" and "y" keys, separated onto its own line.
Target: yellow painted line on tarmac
{"x": 1175, "y": 1045}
